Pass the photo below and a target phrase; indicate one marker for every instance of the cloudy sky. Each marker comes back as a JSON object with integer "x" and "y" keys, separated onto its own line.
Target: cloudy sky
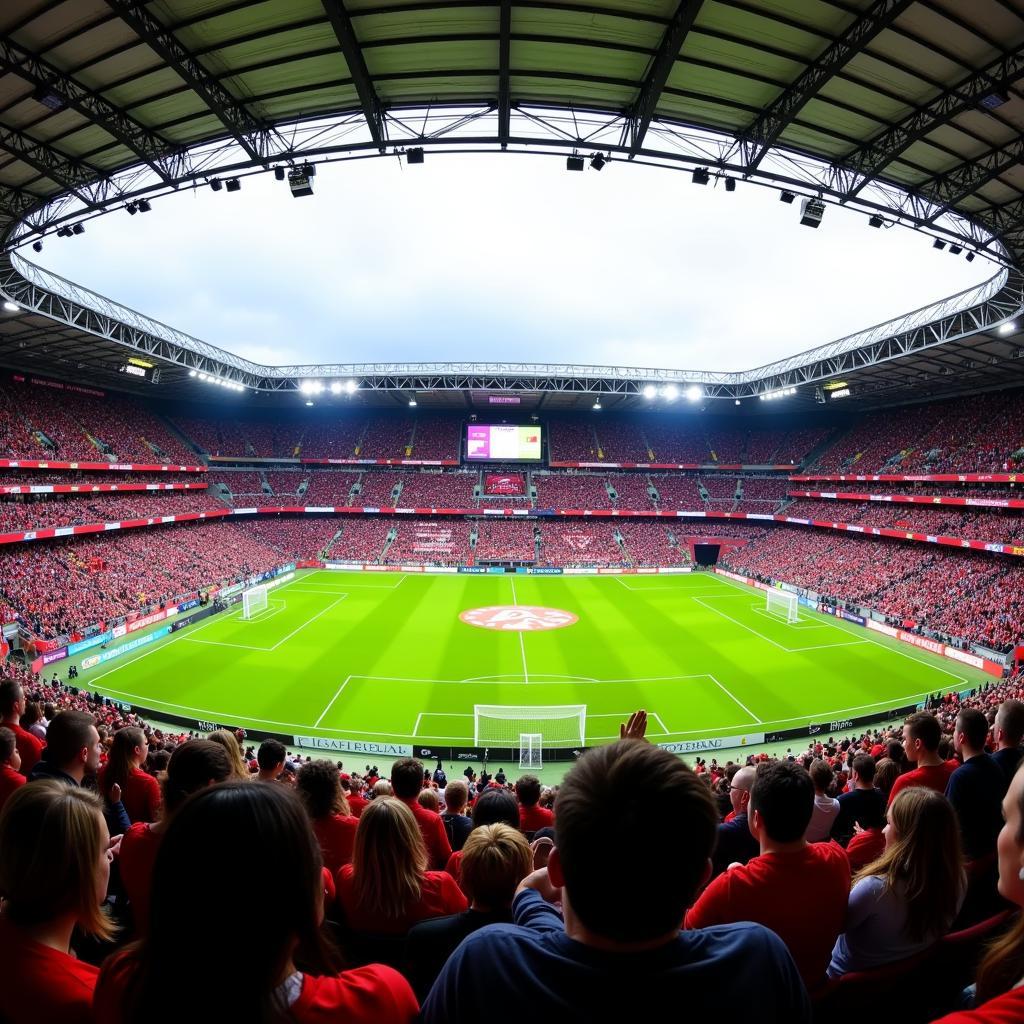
{"x": 506, "y": 257}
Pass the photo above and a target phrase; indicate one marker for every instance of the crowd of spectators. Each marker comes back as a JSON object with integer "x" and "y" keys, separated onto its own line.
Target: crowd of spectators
{"x": 361, "y": 540}
{"x": 438, "y": 490}
{"x": 386, "y": 437}
{"x": 571, "y": 490}
{"x": 437, "y": 436}
{"x": 649, "y": 543}
{"x": 328, "y": 487}
{"x": 571, "y": 543}
{"x": 505, "y": 540}
{"x": 430, "y": 541}
{"x": 294, "y": 537}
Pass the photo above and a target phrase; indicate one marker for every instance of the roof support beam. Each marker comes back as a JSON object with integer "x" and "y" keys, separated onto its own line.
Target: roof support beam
{"x": 253, "y": 136}
{"x": 765, "y": 130}
{"x": 964, "y": 180}
{"x": 865, "y": 162}
{"x": 166, "y": 160}
{"x": 641, "y": 113}
{"x": 504, "y": 72}
{"x": 47, "y": 161}
{"x": 373, "y": 109}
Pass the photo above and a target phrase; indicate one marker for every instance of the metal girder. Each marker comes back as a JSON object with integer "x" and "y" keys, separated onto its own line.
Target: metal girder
{"x": 640, "y": 115}
{"x": 963, "y": 181}
{"x": 373, "y": 109}
{"x": 252, "y": 135}
{"x": 148, "y": 146}
{"x": 766, "y": 129}
{"x": 860, "y": 166}
{"x": 504, "y": 72}
{"x": 76, "y": 177}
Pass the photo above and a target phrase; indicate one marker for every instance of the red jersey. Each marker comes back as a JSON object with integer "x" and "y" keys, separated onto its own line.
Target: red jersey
{"x": 800, "y": 896}
{"x": 140, "y": 795}
{"x": 933, "y": 776}
{"x": 865, "y": 847}
{"x": 356, "y": 804}
{"x": 336, "y": 835}
{"x": 365, "y": 995}
{"x": 40, "y": 985}
{"x": 535, "y": 817}
{"x": 10, "y": 780}
{"x": 1005, "y": 1009}
{"x": 439, "y": 849}
{"x": 138, "y": 855}
{"x": 30, "y": 747}
{"x": 454, "y": 866}
{"x": 439, "y": 896}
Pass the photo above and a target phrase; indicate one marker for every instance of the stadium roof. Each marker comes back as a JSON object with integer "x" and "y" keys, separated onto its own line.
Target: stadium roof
{"x": 909, "y": 110}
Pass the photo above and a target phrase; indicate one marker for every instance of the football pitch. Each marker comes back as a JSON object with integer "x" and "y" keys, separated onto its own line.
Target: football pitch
{"x": 387, "y": 657}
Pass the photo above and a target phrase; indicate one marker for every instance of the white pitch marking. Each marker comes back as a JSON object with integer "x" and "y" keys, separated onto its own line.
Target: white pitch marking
{"x": 737, "y": 701}
{"x": 331, "y": 703}
{"x": 522, "y": 646}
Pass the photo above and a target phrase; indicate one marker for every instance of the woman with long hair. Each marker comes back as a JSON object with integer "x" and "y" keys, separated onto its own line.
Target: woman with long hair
{"x": 54, "y": 868}
{"x": 229, "y": 741}
{"x": 193, "y": 766}
{"x": 140, "y": 792}
{"x": 387, "y": 887}
{"x": 906, "y": 899}
{"x": 319, "y": 786}
{"x": 249, "y": 848}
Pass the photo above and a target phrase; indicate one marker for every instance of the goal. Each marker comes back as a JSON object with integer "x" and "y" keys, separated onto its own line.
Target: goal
{"x": 254, "y": 601}
{"x": 536, "y": 726}
{"x": 783, "y": 604}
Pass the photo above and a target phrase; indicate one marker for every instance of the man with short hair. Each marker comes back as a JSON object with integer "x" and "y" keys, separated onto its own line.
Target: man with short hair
{"x": 11, "y": 778}
{"x": 73, "y": 749}
{"x": 922, "y": 735}
{"x": 863, "y": 805}
{"x": 531, "y": 816}
{"x": 457, "y": 824}
{"x": 271, "y": 758}
{"x": 617, "y": 953}
{"x": 796, "y": 888}
{"x": 407, "y": 781}
{"x": 976, "y": 789}
{"x": 12, "y": 707}
{"x": 1008, "y": 733}
{"x": 735, "y": 843}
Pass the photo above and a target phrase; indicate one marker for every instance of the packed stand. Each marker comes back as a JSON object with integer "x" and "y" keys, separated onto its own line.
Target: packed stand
{"x": 620, "y": 441}
{"x": 577, "y": 491}
{"x": 568, "y": 543}
{"x": 649, "y": 543}
{"x": 631, "y": 491}
{"x": 678, "y": 492}
{"x": 571, "y": 441}
{"x": 294, "y": 537}
{"x": 327, "y": 487}
{"x": 387, "y": 437}
{"x": 360, "y": 540}
{"x": 430, "y": 541}
{"x": 500, "y": 540}
{"x": 437, "y": 437}
{"x": 437, "y": 490}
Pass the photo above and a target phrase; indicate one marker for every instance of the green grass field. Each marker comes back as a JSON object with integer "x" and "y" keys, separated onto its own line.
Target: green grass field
{"x": 386, "y": 657}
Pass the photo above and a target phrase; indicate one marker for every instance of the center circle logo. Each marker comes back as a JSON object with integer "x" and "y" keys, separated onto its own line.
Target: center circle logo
{"x": 519, "y": 618}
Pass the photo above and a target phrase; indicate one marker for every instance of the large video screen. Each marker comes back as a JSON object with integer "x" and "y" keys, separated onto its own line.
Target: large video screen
{"x": 502, "y": 443}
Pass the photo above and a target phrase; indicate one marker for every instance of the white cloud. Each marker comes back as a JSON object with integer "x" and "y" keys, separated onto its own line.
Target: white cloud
{"x": 507, "y": 258}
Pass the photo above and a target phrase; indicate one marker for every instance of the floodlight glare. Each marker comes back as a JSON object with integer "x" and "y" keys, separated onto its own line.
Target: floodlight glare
{"x": 694, "y": 392}
{"x": 597, "y": 404}
{"x": 309, "y": 403}
{"x": 412, "y": 402}
{"x": 1008, "y": 328}
{"x": 650, "y": 392}
{"x": 11, "y": 307}
{"x": 191, "y": 373}
{"x": 737, "y": 401}
{"x": 351, "y": 387}
{"x": 671, "y": 392}
{"x": 335, "y": 387}
{"x": 306, "y": 387}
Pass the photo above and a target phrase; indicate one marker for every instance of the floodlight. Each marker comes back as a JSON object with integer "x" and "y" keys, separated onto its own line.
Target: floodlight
{"x": 970, "y": 257}
{"x": 1008, "y": 328}
{"x": 12, "y": 307}
{"x": 811, "y": 212}
{"x": 279, "y": 173}
{"x": 574, "y": 163}
{"x": 309, "y": 403}
{"x": 650, "y": 392}
{"x": 306, "y": 387}
{"x": 216, "y": 184}
{"x": 78, "y": 229}
{"x": 144, "y": 206}
{"x": 132, "y": 208}
{"x": 787, "y": 197}
{"x": 875, "y": 221}
{"x": 191, "y": 373}
{"x": 597, "y": 404}
{"x": 737, "y": 401}
{"x": 412, "y": 402}
{"x": 694, "y": 392}
{"x": 335, "y": 387}
{"x": 300, "y": 182}
{"x": 955, "y": 250}
{"x": 938, "y": 244}
{"x": 597, "y": 161}
{"x": 37, "y": 246}
{"x": 671, "y": 392}
{"x": 701, "y": 176}
{"x": 351, "y": 387}
{"x": 203, "y": 376}
{"x": 414, "y": 155}
{"x": 730, "y": 184}
{"x": 233, "y": 185}
{"x": 49, "y": 97}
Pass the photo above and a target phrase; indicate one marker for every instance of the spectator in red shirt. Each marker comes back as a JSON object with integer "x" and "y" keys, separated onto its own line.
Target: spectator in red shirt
{"x": 10, "y": 761}
{"x": 240, "y": 845}
{"x": 798, "y": 890}
{"x": 12, "y": 707}
{"x": 54, "y": 867}
{"x": 140, "y": 792}
{"x": 356, "y": 801}
{"x": 387, "y": 887}
{"x": 407, "y": 781}
{"x": 319, "y": 787}
{"x": 999, "y": 997}
{"x": 193, "y": 766}
{"x": 922, "y": 734}
{"x": 531, "y": 817}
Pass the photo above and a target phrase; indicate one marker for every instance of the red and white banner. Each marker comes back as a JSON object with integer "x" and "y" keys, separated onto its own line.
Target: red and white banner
{"x": 505, "y": 483}
{"x": 116, "y": 467}
{"x": 333, "y": 462}
{"x": 95, "y": 488}
{"x": 938, "y": 478}
{"x": 732, "y": 466}
{"x": 911, "y": 499}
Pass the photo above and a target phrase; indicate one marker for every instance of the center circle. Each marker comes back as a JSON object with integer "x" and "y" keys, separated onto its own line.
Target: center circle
{"x": 518, "y": 618}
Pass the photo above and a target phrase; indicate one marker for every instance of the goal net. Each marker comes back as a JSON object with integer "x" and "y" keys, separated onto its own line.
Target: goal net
{"x": 783, "y": 603}
{"x": 505, "y": 725}
{"x": 530, "y": 750}
{"x": 254, "y": 601}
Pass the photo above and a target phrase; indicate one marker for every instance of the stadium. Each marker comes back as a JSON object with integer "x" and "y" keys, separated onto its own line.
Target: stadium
{"x": 808, "y": 573}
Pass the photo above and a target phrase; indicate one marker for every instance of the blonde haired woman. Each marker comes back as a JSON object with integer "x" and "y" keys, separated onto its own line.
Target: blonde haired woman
{"x": 229, "y": 741}
{"x": 54, "y": 867}
{"x": 908, "y": 898}
{"x": 387, "y": 887}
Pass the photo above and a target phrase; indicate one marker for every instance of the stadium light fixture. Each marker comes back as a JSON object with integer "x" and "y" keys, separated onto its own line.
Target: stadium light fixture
{"x": 650, "y": 392}
{"x": 770, "y": 396}
{"x": 414, "y": 155}
{"x": 738, "y": 402}
{"x": 216, "y": 184}
{"x": 309, "y": 403}
{"x": 970, "y": 257}
{"x": 597, "y": 161}
{"x": 412, "y": 403}
{"x": 191, "y": 373}
{"x": 574, "y": 163}
{"x": 875, "y": 221}
{"x": 999, "y": 95}
{"x": 787, "y": 197}
{"x": 37, "y": 246}
{"x": 597, "y": 405}
{"x": 49, "y": 98}
{"x": 12, "y": 307}
{"x": 351, "y": 387}
{"x": 78, "y": 229}
{"x": 955, "y": 250}
{"x": 701, "y": 175}
{"x": 671, "y": 392}
{"x": 144, "y": 206}
{"x": 694, "y": 393}
{"x": 938, "y": 243}
{"x": 306, "y": 387}
{"x": 279, "y": 173}
{"x": 730, "y": 184}
{"x": 335, "y": 387}
{"x": 233, "y": 185}
{"x": 811, "y": 212}
{"x": 1008, "y": 328}
{"x": 132, "y": 208}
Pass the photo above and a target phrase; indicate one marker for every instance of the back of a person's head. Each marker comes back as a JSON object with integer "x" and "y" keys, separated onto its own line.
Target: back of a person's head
{"x": 271, "y": 754}
{"x": 783, "y": 796}
{"x": 974, "y": 725}
{"x": 229, "y": 741}
{"x": 1010, "y": 719}
{"x": 247, "y": 848}
{"x": 388, "y": 858}
{"x": 383, "y": 788}
{"x": 456, "y": 794}
{"x": 821, "y": 774}
{"x": 924, "y": 726}
{"x": 8, "y": 744}
{"x": 429, "y": 799}
{"x": 407, "y": 778}
{"x": 119, "y": 761}
{"x": 625, "y": 801}
{"x": 10, "y": 693}
{"x": 495, "y": 859}
{"x": 864, "y": 766}
{"x": 69, "y": 733}
{"x": 193, "y": 766}
{"x": 494, "y": 806}
{"x": 319, "y": 786}
{"x": 52, "y": 844}
{"x": 528, "y": 790}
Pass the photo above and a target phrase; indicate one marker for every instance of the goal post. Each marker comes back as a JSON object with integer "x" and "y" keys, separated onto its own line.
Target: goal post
{"x": 254, "y": 601}
{"x": 531, "y": 750}
{"x": 783, "y": 603}
{"x": 547, "y": 725}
